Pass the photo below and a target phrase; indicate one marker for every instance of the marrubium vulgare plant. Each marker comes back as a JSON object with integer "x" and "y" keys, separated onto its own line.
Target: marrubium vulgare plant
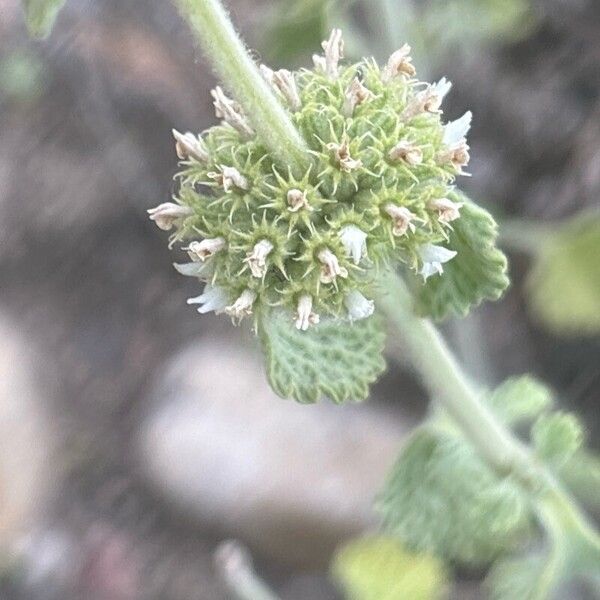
{"x": 326, "y": 200}
{"x": 377, "y": 189}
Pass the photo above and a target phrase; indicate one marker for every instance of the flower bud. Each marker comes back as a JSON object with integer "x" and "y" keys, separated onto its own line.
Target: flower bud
{"x": 358, "y": 306}
{"x": 229, "y": 177}
{"x": 342, "y": 156}
{"x": 407, "y": 152}
{"x": 402, "y": 217}
{"x": 297, "y": 200}
{"x": 187, "y": 146}
{"x": 446, "y": 209}
{"x": 356, "y": 94}
{"x": 231, "y": 112}
{"x": 242, "y": 307}
{"x": 257, "y": 258}
{"x": 334, "y": 52}
{"x": 399, "y": 65}
{"x": 330, "y": 266}
{"x": 354, "y": 241}
{"x": 206, "y": 248}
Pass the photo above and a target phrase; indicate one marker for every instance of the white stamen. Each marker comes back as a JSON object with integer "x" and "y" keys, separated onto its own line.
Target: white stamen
{"x": 447, "y": 210}
{"x": 229, "y": 177}
{"x": 200, "y": 251}
{"x": 408, "y": 152}
{"x": 433, "y": 257}
{"x": 166, "y": 214}
{"x": 187, "y": 146}
{"x": 305, "y": 317}
{"x": 257, "y": 258}
{"x": 399, "y": 64}
{"x": 354, "y": 241}
{"x": 212, "y": 298}
{"x": 342, "y": 156}
{"x": 356, "y": 94}
{"x": 402, "y": 217}
{"x": 242, "y": 307}
{"x": 358, "y": 306}
{"x": 231, "y": 112}
{"x": 297, "y": 200}
{"x": 331, "y": 267}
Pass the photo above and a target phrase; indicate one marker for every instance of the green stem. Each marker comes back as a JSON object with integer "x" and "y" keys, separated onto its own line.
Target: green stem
{"x": 232, "y": 63}
{"x": 447, "y": 384}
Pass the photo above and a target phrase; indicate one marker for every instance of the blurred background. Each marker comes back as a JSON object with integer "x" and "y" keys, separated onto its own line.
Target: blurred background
{"x": 135, "y": 435}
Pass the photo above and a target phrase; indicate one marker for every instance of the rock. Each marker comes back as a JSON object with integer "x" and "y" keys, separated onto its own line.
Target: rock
{"x": 289, "y": 480}
{"x": 27, "y": 441}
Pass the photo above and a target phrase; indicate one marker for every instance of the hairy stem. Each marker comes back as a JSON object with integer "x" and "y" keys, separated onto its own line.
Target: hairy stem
{"x": 238, "y": 73}
{"x": 447, "y": 384}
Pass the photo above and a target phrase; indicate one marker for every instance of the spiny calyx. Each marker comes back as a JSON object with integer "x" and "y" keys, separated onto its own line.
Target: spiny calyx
{"x": 378, "y": 191}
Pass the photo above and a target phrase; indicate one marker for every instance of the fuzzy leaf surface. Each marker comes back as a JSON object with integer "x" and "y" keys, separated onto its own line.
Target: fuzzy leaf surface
{"x": 564, "y": 283}
{"x": 557, "y": 436}
{"x": 443, "y": 499}
{"x": 475, "y": 274}
{"x": 380, "y": 568}
{"x": 334, "y": 359}
{"x": 520, "y": 399}
{"x": 40, "y": 15}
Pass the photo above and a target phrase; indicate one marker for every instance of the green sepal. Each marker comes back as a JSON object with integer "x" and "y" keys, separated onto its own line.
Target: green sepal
{"x": 40, "y": 15}
{"x": 442, "y": 498}
{"x": 380, "y": 568}
{"x": 475, "y": 274}
{"x": 334, "y": 359}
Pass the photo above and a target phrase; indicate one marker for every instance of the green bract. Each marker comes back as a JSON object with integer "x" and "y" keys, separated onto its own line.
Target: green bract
{"x": 377, "y": 191}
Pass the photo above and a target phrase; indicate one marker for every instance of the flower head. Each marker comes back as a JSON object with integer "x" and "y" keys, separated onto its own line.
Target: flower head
{"x": 380, "y": 175}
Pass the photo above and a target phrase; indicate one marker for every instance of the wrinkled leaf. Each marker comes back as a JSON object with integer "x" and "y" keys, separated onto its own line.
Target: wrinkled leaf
{"x": 379, "y": 568}
{"x": 557, "y": 436}
{"x": 520, "y": 399}
{"x": 564, "y": 282}
{"x": 334, "y": 359}
{"x": 40, "y": 15}
{"x": 442, "y": 498}
{"x": 477, "y": 273}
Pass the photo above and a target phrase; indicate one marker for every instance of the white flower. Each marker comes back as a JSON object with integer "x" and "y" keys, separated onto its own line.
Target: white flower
{"x": 399, "y": 64}
{"x": 297, "y": 200}
{"x": 229, "y": 177}
{"x": 331, "y": 267}
{"x": 283, "y": 81}
{"x": 334, "y": 51}
{"x": 435, "y": 94}
{"x": 212, "y": 298}
{"x": 358, "y": 306}
{"x": 402, "y": 217}
{"x": 305, "y": 317}
{"x": 195, "y": 269}
{"x": 447, "y": 210}
{"x": 165, "y": 214}
{"x": 256, "y": 259}
{"x": 455, "y": 131}
{"x": 354, "y": 241}
{"x": 342, "y": 156}
{"x": 242, "y": 307}
{"x": 231, "y": 112}
{"x": 187, "y": 146}
{"x": 206, "y": 248}
{"x": 408, "y": 152}
{"x": 356, "y": 94}
{"x": 433, "y": 257}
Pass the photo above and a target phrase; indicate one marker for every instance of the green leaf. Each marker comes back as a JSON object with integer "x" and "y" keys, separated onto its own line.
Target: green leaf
{"x": 530, "y": 577}
{"x": 442, "y": 498}
{"x": 334, "y": 359}
{"x": 557, "y": 436}
{"x": 379, "y": 568}
{"x": 40, "y": 15}
{"x": 476, "y": 273}
{"x": 564, "y": 282}
{"x": 520, "y": 399}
